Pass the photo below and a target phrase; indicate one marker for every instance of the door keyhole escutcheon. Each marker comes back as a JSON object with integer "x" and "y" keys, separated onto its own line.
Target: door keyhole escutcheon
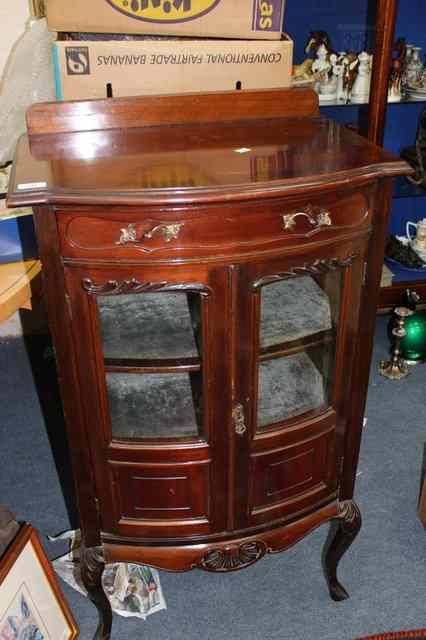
{"x": 239, "y": 420}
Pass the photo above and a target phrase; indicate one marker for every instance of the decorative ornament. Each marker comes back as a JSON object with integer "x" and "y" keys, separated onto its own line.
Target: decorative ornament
{"x": 396, "y": 369}
{"x": 414, "y": 67}
{"x": 398, "y": 70}
{"x": 322, "y": 66}
{"x": 412, "y": 345}
{"x": 361, "y": 88}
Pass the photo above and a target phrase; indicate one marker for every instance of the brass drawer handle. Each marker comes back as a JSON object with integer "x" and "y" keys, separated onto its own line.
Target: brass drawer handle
{"x": 239, "y": 420}
{"x": 320, "y": 219}
{"x": 128, "y": 235}
{"x": 168, "y": 231}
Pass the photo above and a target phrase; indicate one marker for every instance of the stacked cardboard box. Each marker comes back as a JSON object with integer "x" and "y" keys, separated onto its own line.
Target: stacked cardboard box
{"x": 137, "y": 47}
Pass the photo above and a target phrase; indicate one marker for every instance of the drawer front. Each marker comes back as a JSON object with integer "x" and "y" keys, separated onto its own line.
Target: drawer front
{"x": 179, "y": 233}
{"x": 159, "y": 499}
{"x": 291, "y": 478}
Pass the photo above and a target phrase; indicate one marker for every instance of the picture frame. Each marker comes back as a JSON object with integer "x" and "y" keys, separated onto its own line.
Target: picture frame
{"x": 31, "y": 602}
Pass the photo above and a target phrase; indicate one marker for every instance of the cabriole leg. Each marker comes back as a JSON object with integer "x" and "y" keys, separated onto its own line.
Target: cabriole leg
{"x": 92, "y": 567}
{"x": 343, "y": 532}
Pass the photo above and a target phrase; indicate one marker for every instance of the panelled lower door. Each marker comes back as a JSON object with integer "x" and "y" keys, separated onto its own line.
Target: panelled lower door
{"x": 150, "y": 375}
{"x": 298, "y": 318}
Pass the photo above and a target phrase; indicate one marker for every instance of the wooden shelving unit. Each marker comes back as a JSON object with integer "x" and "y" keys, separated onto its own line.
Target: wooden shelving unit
{"x": 374, "y": 130}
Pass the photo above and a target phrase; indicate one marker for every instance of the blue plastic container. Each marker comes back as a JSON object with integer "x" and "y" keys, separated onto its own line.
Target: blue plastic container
{"x": 17, "y": 236}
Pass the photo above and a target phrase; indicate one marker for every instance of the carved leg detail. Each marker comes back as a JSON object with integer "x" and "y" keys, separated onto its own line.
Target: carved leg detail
{"x": 343, "y": 532}
{"x": 92, "y": 567}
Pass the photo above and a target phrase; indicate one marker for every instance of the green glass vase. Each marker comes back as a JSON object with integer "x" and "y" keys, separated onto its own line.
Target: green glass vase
{"x": 413, "y": 346}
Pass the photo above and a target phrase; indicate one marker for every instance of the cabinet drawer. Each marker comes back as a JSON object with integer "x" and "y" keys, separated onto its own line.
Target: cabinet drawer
{"x": 291, "y": 478}
{"x": 160, "y": 499}
{"x": 208, "y": 230}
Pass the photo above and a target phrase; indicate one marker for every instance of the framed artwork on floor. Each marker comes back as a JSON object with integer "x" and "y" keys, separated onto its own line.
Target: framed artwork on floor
{"x": 32, "y": 606}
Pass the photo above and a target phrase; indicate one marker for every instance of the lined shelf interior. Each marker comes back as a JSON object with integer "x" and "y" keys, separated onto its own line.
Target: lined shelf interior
{"x": 155, "y": 405}
{"x": 289, "y": 387}
{"x": 149, "y": 326}
{"x": 296, "y": 350}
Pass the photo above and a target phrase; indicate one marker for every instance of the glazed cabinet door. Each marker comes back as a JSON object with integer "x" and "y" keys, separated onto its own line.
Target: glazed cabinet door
{"x": 298, "y": 319}
{"x": 150, "y": 375}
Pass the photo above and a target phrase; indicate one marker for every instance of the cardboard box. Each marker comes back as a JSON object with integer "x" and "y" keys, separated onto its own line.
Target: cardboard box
{"x": 246, "y": 19}
{"x": 85, "y": 69}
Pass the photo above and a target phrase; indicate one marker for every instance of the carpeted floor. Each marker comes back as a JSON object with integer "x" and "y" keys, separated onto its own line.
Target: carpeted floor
{"x": 282, "y": 597}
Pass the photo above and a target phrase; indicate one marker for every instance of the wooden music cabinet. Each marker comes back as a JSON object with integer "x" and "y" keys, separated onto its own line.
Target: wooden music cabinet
{"x": 211, "y": 266}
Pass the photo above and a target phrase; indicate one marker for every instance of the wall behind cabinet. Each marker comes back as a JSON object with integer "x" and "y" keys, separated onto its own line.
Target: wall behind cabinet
{"x": 13, "y": 16}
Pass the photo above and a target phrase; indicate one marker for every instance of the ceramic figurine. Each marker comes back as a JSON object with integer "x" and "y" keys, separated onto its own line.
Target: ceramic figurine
{"x": 409, "y": 52}
{"x": 303, "y": 72}
{"x": 350, "y": 64}
{"x": 322, "y": 67}
{"x": 361, "y": 87}
{"x": 327, "y": 88}
{"x": 408, "y": 55}
{"x": 338, "y": 70}
{"x": 315, "y": 40}
{"x": 418, "y": 242}
{"x": 398, "y": 65}
{"x": 414, "y": 67}
{"x": 320, "y": 45}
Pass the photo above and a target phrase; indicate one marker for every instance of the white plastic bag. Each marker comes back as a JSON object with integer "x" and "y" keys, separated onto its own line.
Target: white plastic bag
{"x": 28, "y": 78}
{"x": 133, "y": 590}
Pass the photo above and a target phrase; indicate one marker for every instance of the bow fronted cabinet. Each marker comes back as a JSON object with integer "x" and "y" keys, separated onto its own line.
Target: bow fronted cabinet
{"x": 211, "y": 265}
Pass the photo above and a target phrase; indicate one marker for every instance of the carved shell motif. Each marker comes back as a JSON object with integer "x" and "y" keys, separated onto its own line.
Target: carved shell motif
{"x": 234, "y": 557}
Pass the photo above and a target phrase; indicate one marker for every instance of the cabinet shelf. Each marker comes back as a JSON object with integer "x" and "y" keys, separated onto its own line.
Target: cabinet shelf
{"x": 289, "y": 387}
{"x": 292, "y": 310}
{"x": 134, "y": 365}
{"x": 155, "y": 405}
{"x": 405, "y": 189}
{"x": 355, "y": 103}
{"x": 160, "y": 327}
{"x": 297, "y": 346}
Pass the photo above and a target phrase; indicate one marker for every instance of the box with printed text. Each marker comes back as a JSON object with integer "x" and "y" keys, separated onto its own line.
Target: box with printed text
{"x": 99, "y": 68}
{"x": 194, "y": 18}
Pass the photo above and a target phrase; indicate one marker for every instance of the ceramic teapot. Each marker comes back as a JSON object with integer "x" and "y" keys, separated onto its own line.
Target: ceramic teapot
{"x": 419, "y": 241}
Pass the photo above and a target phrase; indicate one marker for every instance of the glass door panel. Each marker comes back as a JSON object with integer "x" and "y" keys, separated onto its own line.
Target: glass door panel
{"x": 152, "y": 348}
{"x": 150, "y": 325}
{"x": 299, "y": 318}
{"x": 155, "y": 405}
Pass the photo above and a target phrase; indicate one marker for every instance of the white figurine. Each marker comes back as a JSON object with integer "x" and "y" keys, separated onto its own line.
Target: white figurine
{"x": 327, "y": 89}
{"x": 361, "y": 88}
{"x": 322, "y": 68}
{"x": 322, "y": 63}
{"x": 338, "y": 69}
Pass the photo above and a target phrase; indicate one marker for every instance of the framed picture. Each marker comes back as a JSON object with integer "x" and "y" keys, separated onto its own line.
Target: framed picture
{"x": 32, "y": 606}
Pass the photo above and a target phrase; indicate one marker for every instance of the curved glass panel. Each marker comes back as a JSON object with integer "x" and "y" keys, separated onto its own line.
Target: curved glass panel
{"x": 298, "y": 327}
{"x": 152, "y": 353}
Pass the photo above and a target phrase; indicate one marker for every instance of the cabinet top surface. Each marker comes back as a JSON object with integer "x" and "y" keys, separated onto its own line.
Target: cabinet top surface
{"x": 194, "y": 162}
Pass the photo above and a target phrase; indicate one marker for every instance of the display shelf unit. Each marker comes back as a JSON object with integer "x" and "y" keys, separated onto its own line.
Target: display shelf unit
{"x": 374, "y": 25}
{"x": 213, "y": 340}
{"x": 400, "y": 131}
{"x": 356, "y": 103}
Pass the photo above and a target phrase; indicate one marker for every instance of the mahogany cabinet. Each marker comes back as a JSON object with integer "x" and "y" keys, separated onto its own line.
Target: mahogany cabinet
{"x": 211, "y": 265}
